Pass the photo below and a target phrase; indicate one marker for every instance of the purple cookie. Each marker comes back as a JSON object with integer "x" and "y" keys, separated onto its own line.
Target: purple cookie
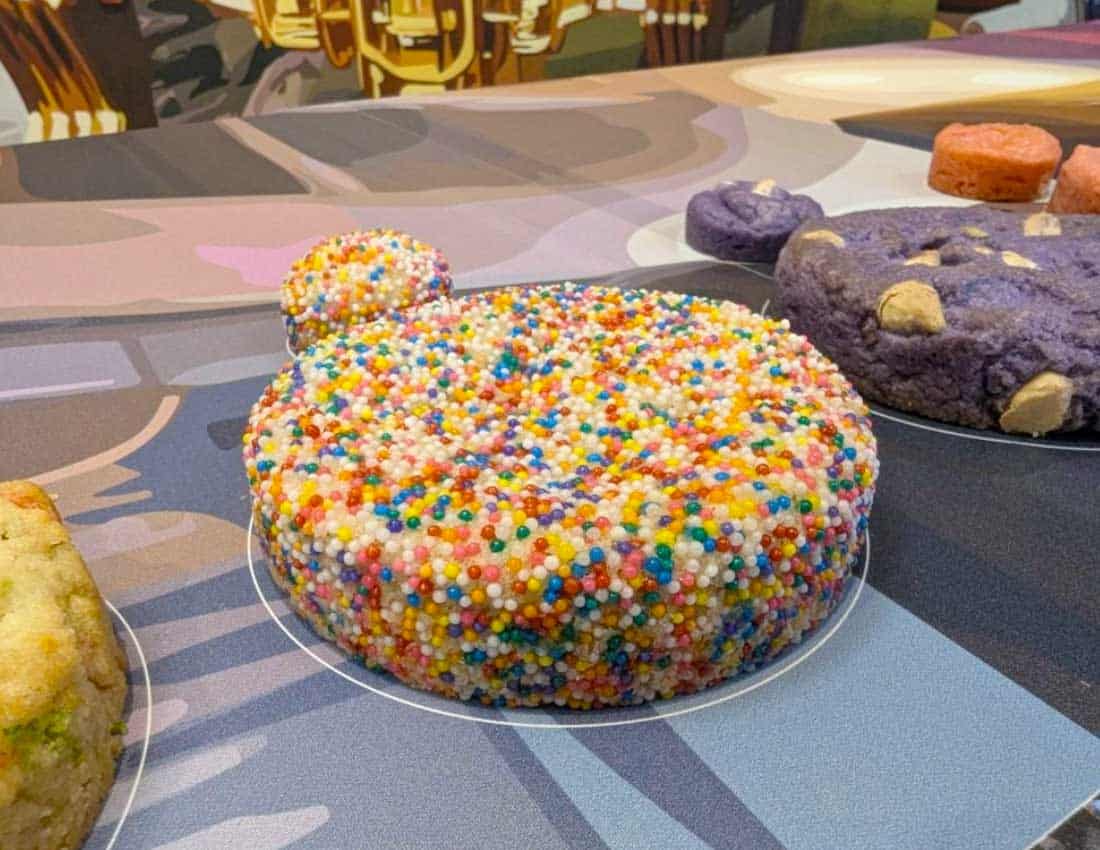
{"x": 746, "y": 221}
{"x": 976, "y": 316}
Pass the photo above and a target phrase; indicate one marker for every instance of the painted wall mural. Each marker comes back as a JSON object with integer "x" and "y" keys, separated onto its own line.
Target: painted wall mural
{"x": 87, "y": 67}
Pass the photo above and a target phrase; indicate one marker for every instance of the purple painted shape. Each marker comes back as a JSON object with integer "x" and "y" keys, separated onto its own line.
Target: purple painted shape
{"x": 1079, "y": 44}
{"x": 259, "y": 267}
{"x": 588, "y": 244}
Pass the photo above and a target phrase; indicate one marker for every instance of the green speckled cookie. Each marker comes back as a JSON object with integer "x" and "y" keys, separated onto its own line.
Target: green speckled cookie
{"x": 62, "y": 681}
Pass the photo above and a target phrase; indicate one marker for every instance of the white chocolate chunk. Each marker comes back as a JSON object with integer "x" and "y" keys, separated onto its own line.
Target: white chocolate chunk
{"x": 975, "y": 232}
{"x": 1038, "y": 406}
{"x": 1042, "y": 224}
{"x": 1011, "y": 258}
{"x": 924, "y": 258}
{"x": 825, "y": 236}
{"x": 982, "y": 249}
{"x": 764, "y": 187}
{"x": 910, "y": 307}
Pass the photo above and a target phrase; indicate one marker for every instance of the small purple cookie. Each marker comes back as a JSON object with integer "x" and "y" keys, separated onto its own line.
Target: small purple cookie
{"x": 746, "y": 221}
{"x": 977, "y": 316}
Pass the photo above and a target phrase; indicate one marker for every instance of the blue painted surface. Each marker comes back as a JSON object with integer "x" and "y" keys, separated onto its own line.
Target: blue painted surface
{"x": 895, "y": 737}
{"x": 67, "y": 368}
{"x": 624, "y": 817}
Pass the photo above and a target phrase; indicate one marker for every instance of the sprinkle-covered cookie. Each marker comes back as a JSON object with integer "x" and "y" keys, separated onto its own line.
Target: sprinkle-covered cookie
{"x": 563, "y": 495}
{"x": 350, "y": 279}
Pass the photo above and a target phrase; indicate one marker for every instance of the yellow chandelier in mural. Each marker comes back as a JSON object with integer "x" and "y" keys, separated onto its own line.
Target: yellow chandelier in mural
{"x": 418, "y": 46}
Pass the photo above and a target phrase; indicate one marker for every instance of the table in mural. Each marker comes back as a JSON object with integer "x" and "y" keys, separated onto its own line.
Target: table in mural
{"x": 952, "y": 702}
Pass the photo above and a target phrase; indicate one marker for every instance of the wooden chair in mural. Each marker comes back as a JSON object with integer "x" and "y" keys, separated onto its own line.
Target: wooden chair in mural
{"x": 53, "y": 77}
{"x": 81, "y": 67}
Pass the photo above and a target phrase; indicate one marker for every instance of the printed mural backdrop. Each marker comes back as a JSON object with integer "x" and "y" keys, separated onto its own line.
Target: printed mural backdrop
{"x": 955, "y": 708}
{"x": 88, "y": 67}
